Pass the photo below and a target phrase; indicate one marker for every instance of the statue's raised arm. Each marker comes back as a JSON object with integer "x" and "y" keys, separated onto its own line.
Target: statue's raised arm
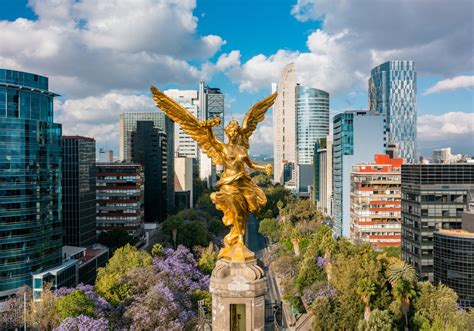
{"x": 200, "y": 131}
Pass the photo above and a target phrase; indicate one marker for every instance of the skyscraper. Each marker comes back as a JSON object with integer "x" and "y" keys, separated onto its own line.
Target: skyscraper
{"x": 434, "y": 197}
{"x": 184, "y": 145}
{"x": 392, "y": 92}
{"x": 284, "y": 124}
{"x": 128, "y": 123}
{"x": 147, "y": 146}
{"x": 211, "y": 104}
{"x": 78, "y": 181}
{"x": 357, "y": 137}
{"x": 30, "y": 180}
{"x": 375, "y": 202}
{"x": 301, "y": 118}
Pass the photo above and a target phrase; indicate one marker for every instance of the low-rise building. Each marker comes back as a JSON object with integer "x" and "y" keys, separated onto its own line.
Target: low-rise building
{"x": 375, "y": 202}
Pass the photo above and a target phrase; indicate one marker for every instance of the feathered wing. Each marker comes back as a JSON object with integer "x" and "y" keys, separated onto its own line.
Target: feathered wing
{"x": 190, "y": 125}
{"x": 255, "y": 115}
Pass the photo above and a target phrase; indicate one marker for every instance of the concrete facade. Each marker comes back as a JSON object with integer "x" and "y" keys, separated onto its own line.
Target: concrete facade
{"x": 234, "y": 284}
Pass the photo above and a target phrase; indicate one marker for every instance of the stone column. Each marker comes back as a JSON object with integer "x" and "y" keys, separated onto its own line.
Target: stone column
{"x": 238, "y": 283}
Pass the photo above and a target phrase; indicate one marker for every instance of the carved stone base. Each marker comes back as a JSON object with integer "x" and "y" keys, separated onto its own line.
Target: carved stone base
{"x": 238, "y": 296}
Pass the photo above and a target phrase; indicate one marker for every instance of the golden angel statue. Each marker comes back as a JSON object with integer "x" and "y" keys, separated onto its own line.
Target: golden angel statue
{"x": 237, "y": 195}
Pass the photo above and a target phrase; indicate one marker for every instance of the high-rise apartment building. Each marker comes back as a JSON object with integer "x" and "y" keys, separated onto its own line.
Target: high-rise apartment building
{"x": 120, "y": 198}
{"x": 376, "y": 202}
{"x": 301, "y": 118}
{"x": 128, "y": 123}
{"x": 357, "y": 137}
{"x": 453, "y": 258}
{"x": 78, "y": 186}
{"x": 392, "y": 92}
{"x": 184, "y": 145}
{"x": 211, "y": 105}
{"x": 30, "y": 180}
{"x": 322, "y": 177}
{"x": 147, "y": 146}
{"x": 434, "y": 196}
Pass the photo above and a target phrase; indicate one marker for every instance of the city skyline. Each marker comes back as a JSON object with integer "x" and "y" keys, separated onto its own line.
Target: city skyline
{"x": 102, "y": 70}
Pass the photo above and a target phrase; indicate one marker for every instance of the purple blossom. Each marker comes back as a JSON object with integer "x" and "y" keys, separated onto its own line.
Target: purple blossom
{"x": 159, "y": 309}
{"x": 100, "y": 303}
{"x": 311, "y": 294}
{"x": 321, "y": 262}
{"x": 179, "y": 270}
{"x": 83, "y": 323}
{"x": 63, "y": 291}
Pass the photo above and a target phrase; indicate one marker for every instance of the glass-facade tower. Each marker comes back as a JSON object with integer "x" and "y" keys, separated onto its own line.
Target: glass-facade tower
{"x": 30, "y": 180}
{"x": 312, "y": 118}
{"x": 392, "y": 92}
{"x": 128, "y": 123}
{"x": 79, "y": 193}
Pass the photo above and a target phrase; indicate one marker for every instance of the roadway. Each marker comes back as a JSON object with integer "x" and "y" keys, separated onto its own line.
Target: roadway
{"x": 257, "y": 244}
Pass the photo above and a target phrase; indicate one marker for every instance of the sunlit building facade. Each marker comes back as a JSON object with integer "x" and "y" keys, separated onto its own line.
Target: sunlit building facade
{"x": 376, "y": 202}
{"x": 357, "y": 137}
{"x": 30, "y": 180}
{"x": 301, "y": 118}
{"x": 211, "y": 105}
{"x": 184, "y": 145}
{"x": 392, "y": 92}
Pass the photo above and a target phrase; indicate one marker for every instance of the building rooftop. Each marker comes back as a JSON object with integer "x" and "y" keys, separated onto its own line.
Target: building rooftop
{"x": 456, "y": 233}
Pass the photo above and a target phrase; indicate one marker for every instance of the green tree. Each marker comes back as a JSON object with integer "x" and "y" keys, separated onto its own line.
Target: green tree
{"x": 404, "y": 292}
{"x": 208, "y": 260}
{"x": 190, "y": 232}
{"x": 270, "y": 228}
{"x": 115, "y": 238}
{"x": 400, "y": 270}
{"x": 108, "y": 279}
{"x": 366, "y": 291}
{"x": 380, "y": 320}
{"x": 157, "y": 250}
{"x": 436, "y": 309}
{"x": 74, "y": 304}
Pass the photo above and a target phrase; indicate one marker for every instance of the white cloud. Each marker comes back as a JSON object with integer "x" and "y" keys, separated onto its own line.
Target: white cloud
{"x": 358, "y": 35}
{"x": 451, "y": 84}
{"x": 455, "y": 129}
{"x": 98, "y": 116}
{"x": 445, "y": 126}
{"x": 88, "y": 47}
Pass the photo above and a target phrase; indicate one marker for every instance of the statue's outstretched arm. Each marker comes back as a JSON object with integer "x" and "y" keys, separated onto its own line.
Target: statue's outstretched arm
{"x": 267, "y": 168}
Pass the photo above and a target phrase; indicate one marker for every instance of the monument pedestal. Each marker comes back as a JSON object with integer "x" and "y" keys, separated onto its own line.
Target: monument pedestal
{"x": 238, "y": 296}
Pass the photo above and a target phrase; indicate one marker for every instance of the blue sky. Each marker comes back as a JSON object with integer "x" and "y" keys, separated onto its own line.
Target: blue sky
{"x": 101, "y": 58}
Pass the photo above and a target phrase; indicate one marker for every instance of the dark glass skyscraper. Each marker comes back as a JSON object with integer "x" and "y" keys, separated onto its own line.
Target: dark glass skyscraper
{"x": 79, "y": 183}
{"x": 30, "y": 179}
{"x": 147, "y": 146}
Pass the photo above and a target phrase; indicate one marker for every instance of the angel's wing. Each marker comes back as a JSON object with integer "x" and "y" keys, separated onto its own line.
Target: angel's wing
{"x": 190, "y": 125}
{"x": 255, "y": 115}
